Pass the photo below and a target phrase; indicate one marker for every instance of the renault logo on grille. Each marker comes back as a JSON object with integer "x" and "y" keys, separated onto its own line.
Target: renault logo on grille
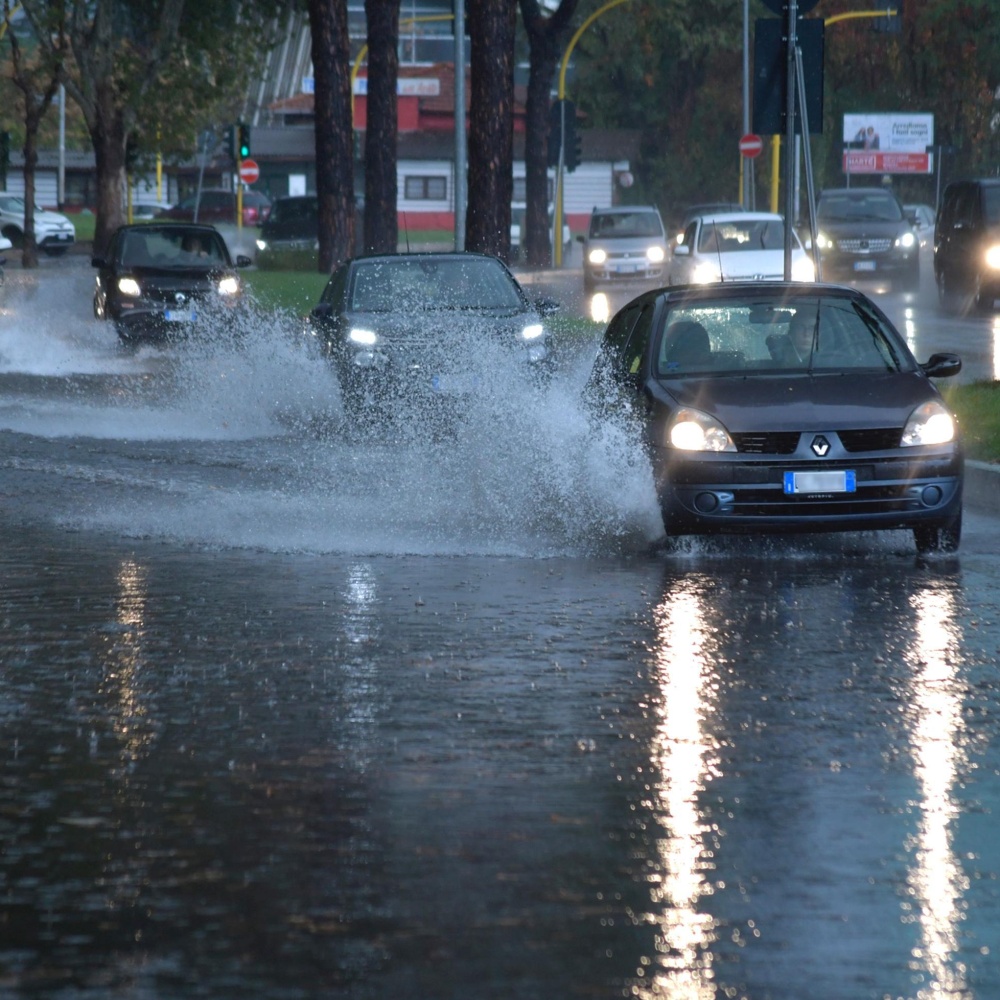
{"x": 820, "y": 445}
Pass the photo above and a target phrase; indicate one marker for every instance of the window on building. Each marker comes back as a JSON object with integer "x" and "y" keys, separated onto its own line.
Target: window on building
{"x": 425, "y": 188}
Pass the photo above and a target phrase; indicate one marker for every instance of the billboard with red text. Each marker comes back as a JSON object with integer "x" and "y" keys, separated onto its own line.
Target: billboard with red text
{"x": 893, "y": 143}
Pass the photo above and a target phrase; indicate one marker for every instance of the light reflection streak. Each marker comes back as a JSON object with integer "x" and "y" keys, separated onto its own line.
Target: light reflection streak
{"x": 936, "y": 881}
{"x": 124, "y": 661}
{"x": 910, "y": 328}
{"x": 995, "y": 331}
{"x": 685, "y": 760}
{"x": 600, "y": 308}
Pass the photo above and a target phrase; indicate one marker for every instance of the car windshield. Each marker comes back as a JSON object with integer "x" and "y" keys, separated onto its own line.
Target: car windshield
{"x": 428, "y": 283}
{"x": 764, "y": 336}
{"x": 734, "y": 237}
{"x": 623, "y": 225}
{"x": 295, "y": 210}
{"x": 172, "y": 248}
{"x": 876, "y": 206}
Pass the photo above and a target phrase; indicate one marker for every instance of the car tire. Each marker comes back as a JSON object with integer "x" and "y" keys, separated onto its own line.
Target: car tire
{"x": 99, "y": 311}
{"x": 942, "y": 537}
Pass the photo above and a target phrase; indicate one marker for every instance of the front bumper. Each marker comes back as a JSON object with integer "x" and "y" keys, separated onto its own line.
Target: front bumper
{"x": 841, "y": 266}
{"x": 143, "y": 320}
{"x": 713, "y": 494}
{"x": 624, "y": 271}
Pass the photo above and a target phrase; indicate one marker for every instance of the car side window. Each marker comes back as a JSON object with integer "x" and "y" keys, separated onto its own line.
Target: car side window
{"x": 965, "y": 208}
{"x": 334, "y": 291}
{"x": 638, "y": 341}
{"x": 617, "y": 333}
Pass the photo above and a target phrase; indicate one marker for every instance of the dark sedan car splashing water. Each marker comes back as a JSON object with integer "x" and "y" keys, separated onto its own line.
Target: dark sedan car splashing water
{"x": 784, "y": 407}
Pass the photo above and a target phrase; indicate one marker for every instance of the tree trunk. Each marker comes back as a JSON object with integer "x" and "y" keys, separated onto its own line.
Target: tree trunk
{"x": 109, "y": 154}
{"x": 29, "y": 251}
{"x": 331, "y": 57}
{"x": 381, "y": 220}
{"x": 544, "y": 42}
{"x": 491, "y": 126}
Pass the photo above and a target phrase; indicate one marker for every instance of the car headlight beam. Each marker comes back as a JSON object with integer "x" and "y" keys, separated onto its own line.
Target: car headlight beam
{"x": 228, "y": 286}
{"x": 929, "y": 423}
{"x": 993, "y": 257}
{"x": 907, "y": 241}
{"x": 705, "y": 273}
{"x": 362, "y": 337}
{"x": 693, "y": 430}
{"x": 655, "y": 254}
{"x": 532, "y": 331}
{"x": 130, "y": 287}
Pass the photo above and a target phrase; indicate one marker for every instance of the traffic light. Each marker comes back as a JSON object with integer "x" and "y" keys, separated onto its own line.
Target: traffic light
{"x": 244, "y": 140}
{"x": 571, "y": 154}
{"x": 555, "y": 133}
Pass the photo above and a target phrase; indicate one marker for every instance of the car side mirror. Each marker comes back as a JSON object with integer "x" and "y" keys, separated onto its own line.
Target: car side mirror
{"x": 682, "y": 250}
{"x": 321, "y": 310}
{"x": 243, "y": 261}
{"x": 581, "y": 238}
{"x": 942, "y": 365}
{"x": 547, "y": 306}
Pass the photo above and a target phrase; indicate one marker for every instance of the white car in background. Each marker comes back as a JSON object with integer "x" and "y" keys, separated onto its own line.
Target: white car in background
{"x": 54, "y": 233}
{"x": 732, "y": 246}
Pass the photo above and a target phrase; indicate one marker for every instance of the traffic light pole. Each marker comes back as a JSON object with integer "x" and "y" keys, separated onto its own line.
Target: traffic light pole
{"x": 792, "y": 10}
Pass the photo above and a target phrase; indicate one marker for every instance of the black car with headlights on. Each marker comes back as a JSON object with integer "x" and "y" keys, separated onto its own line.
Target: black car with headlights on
{"x": 158, "y": 280}
{"x": 425, "y": 329}
{"x": 784, "y": 407}
{"x": 865, "y": 235}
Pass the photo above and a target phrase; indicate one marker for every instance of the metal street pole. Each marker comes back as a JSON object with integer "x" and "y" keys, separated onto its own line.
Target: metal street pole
{"x": 793, "y": 13}
{"x": 461, "y": 180}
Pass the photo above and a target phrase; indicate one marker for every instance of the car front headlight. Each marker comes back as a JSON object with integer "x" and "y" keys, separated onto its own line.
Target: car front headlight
{"x": 803, "y": 269}
{"x": 907, "y": 240}
{"x": 822, "y": 241}
{"x": 655, "y": 255}
{"x": 362, "y": 337}
{"x": 262, "y": 245}
{"x": 929, "y": 423}
{"x": 693, "y": 430}
{"x": 532, "y": 331}
{"x": 228, "y": 286}
{"x": 993, "y": 258}
{"x": 597, "y": 256}
{"x": 130, "y": 287}
{"x": 705, "y": 273}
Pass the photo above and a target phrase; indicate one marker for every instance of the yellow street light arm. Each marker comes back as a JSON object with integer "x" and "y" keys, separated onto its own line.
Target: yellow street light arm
{"x": 576, "y": 37}
{"x": 849, "y": 15}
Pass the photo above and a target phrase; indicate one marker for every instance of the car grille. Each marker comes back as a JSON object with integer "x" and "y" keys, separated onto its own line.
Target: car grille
{"x": 881, "y": 245}
{"x": 785, "y": 442}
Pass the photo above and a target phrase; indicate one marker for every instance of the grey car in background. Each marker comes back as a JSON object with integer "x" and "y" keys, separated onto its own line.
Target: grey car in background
{"x": 626, "y": 243}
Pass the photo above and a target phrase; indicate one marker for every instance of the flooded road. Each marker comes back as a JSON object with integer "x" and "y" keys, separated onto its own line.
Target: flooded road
{"x": 291, "y": 713}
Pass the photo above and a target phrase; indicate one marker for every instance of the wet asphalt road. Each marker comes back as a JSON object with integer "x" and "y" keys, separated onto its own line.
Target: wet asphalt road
{"x": 285, "y": 714}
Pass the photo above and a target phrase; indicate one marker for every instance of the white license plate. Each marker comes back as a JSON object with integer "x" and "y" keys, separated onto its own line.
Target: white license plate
{"x": 864, "y": 265}
{"x": 449, "y": 385}
{"x": 179, "y": 315}
{"x": 828, "y": 481}
{"x": 626, "y": 268}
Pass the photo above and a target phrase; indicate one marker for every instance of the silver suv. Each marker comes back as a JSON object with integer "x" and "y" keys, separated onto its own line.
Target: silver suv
{"x": 624, "y": 243}
{"x": 54, "y": 233}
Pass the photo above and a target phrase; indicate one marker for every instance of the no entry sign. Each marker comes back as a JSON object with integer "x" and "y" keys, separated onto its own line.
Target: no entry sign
{"x": 249, "y": 171}
{"x": 751, "y": 145}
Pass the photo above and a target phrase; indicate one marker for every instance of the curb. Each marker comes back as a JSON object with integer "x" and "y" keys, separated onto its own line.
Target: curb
{"x": 982, "y": 486}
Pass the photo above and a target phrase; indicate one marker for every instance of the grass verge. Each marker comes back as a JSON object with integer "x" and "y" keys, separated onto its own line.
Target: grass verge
{"x": 977, "y": 406}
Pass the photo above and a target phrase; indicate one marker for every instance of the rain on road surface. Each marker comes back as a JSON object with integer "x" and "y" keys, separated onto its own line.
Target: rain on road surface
{"x": 285, "y": 714}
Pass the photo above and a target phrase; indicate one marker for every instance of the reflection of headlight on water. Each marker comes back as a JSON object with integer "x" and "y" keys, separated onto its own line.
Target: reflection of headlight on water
{"x": 600, "y": 308}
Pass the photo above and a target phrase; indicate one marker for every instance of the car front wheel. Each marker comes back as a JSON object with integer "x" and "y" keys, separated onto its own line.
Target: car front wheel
{"x": 942, "y": 537}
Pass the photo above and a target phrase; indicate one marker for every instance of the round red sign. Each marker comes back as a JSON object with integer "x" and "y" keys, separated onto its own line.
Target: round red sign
{"x": 751, "y": 145}
{"x": 249, "y": 171}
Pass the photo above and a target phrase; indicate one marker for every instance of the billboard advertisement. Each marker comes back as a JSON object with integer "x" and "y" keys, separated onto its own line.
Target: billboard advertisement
{"x": 891, "y": 143}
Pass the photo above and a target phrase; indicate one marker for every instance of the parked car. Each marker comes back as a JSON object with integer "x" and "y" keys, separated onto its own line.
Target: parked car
{"x": 864, "y": 235}
{"x": 626, "y": 243}
{"x": 149, "y": 210}
{"x": 783, "y": 407}
{"x": 726, "y": 246}
{"x": 215, "y": 205}
{"x": 922, "y": 217}
{"x": 517, "y": 228}
{"x": 425, "y": 329}
{"x": 158, "y": 280}
{"x": 967, "y": 245}
{"x": 54, "y": 233}
{"x": 293, "y": 224}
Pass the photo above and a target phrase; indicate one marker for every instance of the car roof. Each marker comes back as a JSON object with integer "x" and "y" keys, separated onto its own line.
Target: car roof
{"x": 758, "y": 289}
{"x": 170, "y": 225}
{"x": 739, "y": 216}
{"x": 859, "y": 191}
{"x": 625, "y": 209}
{"x": 425, "y": 255}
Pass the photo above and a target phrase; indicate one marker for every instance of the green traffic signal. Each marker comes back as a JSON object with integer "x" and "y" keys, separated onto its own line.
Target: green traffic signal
{"x": 244, "y": 140}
